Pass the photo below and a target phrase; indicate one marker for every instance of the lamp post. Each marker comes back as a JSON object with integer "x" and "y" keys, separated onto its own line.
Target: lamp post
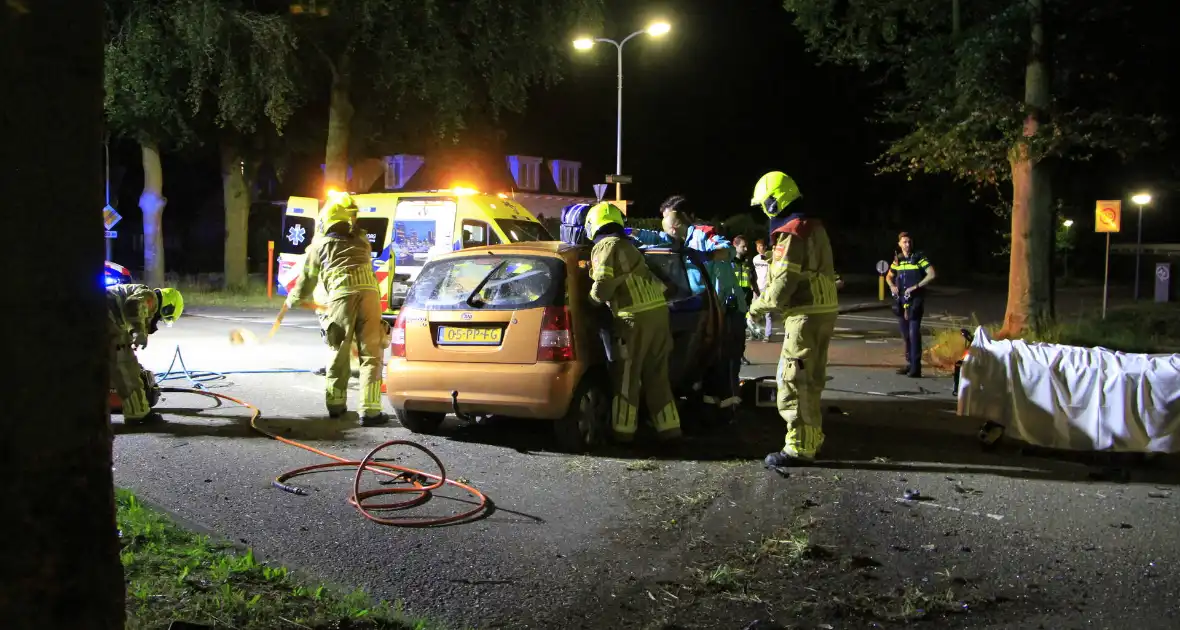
{"x": 655, "y": 29}
{"x": 1067, "y": 224}
{"x": 1140, "y": 200}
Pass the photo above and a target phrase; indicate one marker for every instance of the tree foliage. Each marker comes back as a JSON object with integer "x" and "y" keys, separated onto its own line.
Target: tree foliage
{"x": 175, "y": 67}
{"x": 958, "y": 98}
{"x": 145, "y": 78}
{"x": 430, "y": 64}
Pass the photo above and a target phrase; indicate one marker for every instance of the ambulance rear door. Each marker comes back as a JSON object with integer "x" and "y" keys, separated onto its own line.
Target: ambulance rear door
{"x": 298, "y": 228}
{"x": 422, "y": 227}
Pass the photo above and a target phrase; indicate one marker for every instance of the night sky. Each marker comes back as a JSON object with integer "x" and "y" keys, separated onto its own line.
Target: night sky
{"x": 728, "y": 95}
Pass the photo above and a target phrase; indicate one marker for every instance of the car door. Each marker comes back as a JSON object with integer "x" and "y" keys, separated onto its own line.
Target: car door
{"x": 693, "y": 314}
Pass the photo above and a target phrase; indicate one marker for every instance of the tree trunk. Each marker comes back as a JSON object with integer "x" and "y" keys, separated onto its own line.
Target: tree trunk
{"x": 339, "y": 128}
{"x": 1029, "y": 283}
{"x": 60, "y": 564}
{"x": 152, "y": 203}
{"x": 237, "y": 214}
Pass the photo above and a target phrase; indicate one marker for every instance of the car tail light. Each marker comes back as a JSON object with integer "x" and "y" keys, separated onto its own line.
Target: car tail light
{"x": 397, "y": 344}
{"x": 557, "y": 335}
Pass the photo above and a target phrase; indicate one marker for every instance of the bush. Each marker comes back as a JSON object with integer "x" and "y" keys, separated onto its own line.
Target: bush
{"x": 1146, "y": 328}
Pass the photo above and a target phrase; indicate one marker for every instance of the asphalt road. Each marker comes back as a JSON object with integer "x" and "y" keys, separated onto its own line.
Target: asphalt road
{"x": 630, "y": 538}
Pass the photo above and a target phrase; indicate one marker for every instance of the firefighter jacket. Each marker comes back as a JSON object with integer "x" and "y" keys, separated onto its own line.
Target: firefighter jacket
{"x": 132, "y": 308}
{"x": 802, "y": 278}
{"x": 343, "y": 262}
{"x": 622, "y": 279}
{"x": 704, "y": 238}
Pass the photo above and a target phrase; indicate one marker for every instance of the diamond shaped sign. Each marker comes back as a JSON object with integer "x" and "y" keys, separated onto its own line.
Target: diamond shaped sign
{"x": 110, "y": 217}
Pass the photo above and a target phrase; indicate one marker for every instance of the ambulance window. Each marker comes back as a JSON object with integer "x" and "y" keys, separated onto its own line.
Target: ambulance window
{"x": 297, "y": 233}
{"x": 475, "y": 233}
{"x": 518, "y": 230}
{"x": 376, "y": 229}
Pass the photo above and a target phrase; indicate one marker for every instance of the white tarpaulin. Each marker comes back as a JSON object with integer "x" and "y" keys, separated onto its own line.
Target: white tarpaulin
{"x": 1073, "y": 398}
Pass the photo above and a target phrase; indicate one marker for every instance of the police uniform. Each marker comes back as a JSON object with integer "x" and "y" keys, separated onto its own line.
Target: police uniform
{"x": 802, "y": 287}
{"x": 642, "y": 336}
{"x": 908, "y": 271}
{"x": 340, "y": 258}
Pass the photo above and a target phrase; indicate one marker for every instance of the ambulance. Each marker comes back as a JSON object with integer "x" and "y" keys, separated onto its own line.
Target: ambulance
{"x": 407, "y": 229}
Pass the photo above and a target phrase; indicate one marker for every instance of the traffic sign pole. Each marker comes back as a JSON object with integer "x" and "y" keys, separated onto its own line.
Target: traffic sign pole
{"x": 882, "y": 269}
{"x": 1106, "y": 277}
{"x": 1108, "y": 219}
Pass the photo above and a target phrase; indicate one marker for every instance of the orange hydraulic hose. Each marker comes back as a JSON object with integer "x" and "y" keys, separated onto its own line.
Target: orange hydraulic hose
{"x": 411, "y": 480}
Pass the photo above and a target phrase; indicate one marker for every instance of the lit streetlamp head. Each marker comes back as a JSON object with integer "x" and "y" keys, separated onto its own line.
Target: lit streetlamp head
{"x": 1141, "y": 199}
{"x": 1067, "y": 223}
{"x": 656, "y": 29}
{"x": 583, "y": 43}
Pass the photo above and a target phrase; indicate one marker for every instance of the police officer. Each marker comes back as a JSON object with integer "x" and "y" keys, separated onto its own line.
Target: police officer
{"x": 802, "y": 287}
{"x": 340, "y": 258}
{"x": 721, "y": 380}
{"x": 908, "y": 276}
{"x": 642, "y": 337}
{"x": 135, "y": 311}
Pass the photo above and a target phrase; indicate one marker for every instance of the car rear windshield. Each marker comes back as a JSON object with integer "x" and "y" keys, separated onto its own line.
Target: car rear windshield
{"x": 297, "y": 233}
{"x": 495, "y": 283}
{"x": 518, "y": 231}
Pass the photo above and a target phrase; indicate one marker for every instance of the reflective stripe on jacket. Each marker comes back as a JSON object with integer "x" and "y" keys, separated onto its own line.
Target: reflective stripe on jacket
{"x": 802, "y": 278}
{"x": 908, "y": 271}
{"x": 131, "y": 307}
{"x": 343, "y": 263}
{"x": 622, "y": 279}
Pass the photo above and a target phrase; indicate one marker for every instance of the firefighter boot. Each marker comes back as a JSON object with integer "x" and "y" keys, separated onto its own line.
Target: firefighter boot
{"x": 374, "y": 420}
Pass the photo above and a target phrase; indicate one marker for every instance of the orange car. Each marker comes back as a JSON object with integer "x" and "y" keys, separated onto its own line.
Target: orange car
{"x": 509, "y": 330}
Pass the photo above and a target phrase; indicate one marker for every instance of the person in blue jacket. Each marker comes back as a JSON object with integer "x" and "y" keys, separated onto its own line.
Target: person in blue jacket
{"x": 721, "y": 381}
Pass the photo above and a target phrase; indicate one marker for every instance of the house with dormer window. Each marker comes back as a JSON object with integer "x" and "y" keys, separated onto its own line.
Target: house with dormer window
{"x": 544, "y": 186}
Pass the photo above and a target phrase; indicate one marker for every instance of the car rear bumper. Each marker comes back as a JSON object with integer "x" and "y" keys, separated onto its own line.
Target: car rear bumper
{"x": 540, "y": 390}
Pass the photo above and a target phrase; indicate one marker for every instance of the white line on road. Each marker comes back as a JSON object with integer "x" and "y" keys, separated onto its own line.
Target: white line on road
{"x": 995, "y": 517}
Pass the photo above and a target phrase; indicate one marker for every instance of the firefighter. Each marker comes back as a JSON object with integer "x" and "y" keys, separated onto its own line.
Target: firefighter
{"x": 721, "y": 380}
{"x": 340, "y": 258}
{"x": 908, "y": 276}
{"x": 135, "y": 311}
{"x": 641, "y": 334}
{"x": 802, "y": 287}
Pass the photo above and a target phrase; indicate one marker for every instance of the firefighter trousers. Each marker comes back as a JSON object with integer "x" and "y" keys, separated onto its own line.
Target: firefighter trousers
{"x": 127, "y": 376}
{"x": 354, "y": 321}
{"x": 642, "y": 344}
{"x": 802, "y": 375}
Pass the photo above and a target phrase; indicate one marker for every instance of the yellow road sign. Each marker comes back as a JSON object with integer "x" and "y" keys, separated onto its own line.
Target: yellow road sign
{"x": 1108, "y": 216}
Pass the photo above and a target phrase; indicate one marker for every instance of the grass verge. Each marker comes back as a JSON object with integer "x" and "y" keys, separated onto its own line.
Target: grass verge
{"x": 203, "y": 293}
{"x": 1149, "y": 328}
{"x": 176, "y": 575}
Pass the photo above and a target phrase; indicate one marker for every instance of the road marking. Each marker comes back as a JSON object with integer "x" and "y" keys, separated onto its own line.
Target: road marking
{"x": 258, "y": 321}
{"x": 995, "y": 517}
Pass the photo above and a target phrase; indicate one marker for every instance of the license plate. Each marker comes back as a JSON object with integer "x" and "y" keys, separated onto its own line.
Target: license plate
{"x": 451, "y": 336}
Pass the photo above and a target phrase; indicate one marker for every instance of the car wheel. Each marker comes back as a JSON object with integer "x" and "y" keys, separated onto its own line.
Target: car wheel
{"x": 583, "y": 427}
{"x": 419, "y": 421}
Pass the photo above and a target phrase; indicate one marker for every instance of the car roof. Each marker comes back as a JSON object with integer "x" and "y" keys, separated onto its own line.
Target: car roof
{"x": 529, "y": 248}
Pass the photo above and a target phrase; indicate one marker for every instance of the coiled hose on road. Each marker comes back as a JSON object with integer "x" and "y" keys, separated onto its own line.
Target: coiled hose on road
{"x": 407, "y": 481}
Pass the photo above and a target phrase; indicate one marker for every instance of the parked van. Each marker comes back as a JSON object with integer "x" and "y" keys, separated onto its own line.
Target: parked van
{"x": 410, "y": 228}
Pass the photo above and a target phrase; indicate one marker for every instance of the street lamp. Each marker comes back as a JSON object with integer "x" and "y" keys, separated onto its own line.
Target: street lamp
{"x": 1067, "y": 223}
{"x": 655, "y": 29}
{"x": 1140, "y": 199}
